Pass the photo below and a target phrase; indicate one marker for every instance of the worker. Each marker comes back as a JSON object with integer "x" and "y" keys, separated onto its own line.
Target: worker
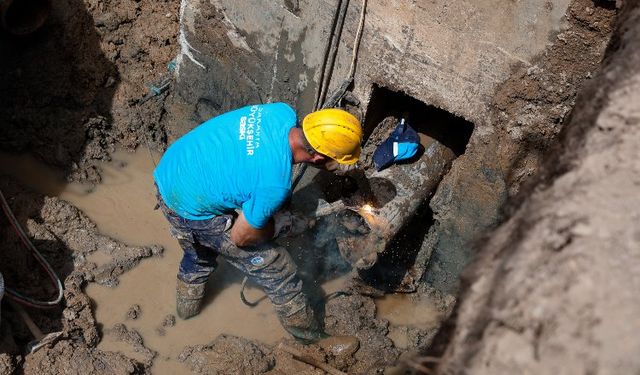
{"x": 221, "y": 187}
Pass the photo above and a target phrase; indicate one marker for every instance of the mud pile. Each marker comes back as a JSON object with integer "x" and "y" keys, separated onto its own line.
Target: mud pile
{"x": 66, "y": 237}
{"x": 70, "y": 94}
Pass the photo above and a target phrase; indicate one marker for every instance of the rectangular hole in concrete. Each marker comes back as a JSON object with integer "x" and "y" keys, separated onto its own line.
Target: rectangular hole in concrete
{"x": 451, "y": 130}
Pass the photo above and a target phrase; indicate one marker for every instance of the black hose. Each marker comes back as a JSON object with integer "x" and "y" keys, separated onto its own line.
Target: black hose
{"x": 325, "y": 55}
{"x": 14, "y": 295}
{"x": 333, "y": 51}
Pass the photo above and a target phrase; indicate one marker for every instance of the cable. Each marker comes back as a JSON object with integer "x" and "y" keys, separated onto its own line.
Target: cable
{"x": 325, "y": 58}
{"x": 146, "y": 139}
{"x": 335, "y": 98}
{"x": 244, "y": 299}
{"x": 334, "y": 51}
{"x": 356, "y": 42}
{"x": 14, "y": 295}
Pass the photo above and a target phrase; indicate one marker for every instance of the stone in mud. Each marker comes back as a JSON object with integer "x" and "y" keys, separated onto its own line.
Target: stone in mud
{"x": 228, "y": 355}
{"x": 169, "y": 321}
{"x": 341, "y": 348}
{"x": 355, "y": 315}
{"x": 134, "y": 312}
{"x": 120, "y": 332}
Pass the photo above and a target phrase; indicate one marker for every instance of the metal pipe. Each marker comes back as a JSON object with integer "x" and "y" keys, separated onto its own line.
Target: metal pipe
{"x": 414, "y": 184}
{"x": 23, "y": 17}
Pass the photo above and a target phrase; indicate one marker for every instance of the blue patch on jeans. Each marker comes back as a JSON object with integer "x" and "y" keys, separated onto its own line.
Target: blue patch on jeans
{"x": 256, "y": 261}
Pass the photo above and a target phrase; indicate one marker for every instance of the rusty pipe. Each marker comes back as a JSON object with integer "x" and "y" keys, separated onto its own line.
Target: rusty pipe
{"x": 414, "y": 184}
{"x": 23, "y": 17}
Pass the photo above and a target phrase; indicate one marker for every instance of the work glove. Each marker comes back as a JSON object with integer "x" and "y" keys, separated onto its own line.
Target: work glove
{"x": 343, "y": 169}
{"x": 289, "y": 224}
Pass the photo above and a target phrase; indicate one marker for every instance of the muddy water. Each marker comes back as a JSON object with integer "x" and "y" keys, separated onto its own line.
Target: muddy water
{"x": 122, "y": 207}
{"x": 405, "y": 311}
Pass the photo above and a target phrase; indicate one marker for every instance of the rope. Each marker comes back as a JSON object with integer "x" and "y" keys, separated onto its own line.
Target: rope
{"x": 14, "y": 295}
{"x": 146, "y": 139}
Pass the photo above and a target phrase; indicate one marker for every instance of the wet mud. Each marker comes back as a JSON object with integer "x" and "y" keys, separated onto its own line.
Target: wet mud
{"x": 75, "y": 108}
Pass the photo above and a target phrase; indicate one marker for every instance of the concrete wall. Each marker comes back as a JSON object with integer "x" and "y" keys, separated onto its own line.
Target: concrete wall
{"x": 449, "y": 54}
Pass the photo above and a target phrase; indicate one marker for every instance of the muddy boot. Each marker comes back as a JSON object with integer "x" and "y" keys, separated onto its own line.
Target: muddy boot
{"x": 188, "y": 299}
{"x": 299, "y": 319}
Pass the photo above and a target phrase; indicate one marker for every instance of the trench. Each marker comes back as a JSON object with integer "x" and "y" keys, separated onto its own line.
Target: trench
{"x": 366, "y": 268}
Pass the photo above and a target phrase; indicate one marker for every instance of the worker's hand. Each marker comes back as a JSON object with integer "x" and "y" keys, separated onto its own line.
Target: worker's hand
{"x": 288, "y": 224}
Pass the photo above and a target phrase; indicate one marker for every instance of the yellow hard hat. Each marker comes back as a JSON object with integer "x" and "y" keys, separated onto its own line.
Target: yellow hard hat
{"x": 335, "y": 133}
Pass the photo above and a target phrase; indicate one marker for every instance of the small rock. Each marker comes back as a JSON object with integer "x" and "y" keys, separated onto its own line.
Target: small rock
{"x": 134, "y": 312}
{"x": 169, "y": 321}
{"x": 69, "y": 314}
{"x": 340, "y": 346}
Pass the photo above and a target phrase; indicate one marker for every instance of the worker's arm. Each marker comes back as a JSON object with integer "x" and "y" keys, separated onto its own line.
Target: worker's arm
{"x": 243, "y": 234}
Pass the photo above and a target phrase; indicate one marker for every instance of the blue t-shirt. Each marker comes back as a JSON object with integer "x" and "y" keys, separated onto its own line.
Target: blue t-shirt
{"x": 238, "y": 160}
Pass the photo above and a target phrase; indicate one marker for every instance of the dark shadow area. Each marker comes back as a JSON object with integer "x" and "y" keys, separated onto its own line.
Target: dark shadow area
{"x": 450, "y": 130}
{"x": 56, "y": 90}
{"x": 355, "y": 188}
{"x": 606, "y": 4}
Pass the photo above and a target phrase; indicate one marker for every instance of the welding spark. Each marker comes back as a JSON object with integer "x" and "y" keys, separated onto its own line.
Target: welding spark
{"x": 367, "y": 208}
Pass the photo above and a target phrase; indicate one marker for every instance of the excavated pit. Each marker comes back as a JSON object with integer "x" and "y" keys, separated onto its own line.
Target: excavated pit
{"x": 384, "y": 247}
{"x": 74, "y": 104}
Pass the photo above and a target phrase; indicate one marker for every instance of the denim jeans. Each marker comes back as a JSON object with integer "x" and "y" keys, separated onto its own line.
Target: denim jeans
{"x": 202, "y": 241}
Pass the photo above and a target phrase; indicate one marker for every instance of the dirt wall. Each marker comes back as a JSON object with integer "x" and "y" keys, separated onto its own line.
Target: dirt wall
{"x": 553, "y": 290}
{"x": 69, "y": 95}
{"x": 70, "y": 92}
{"x": 527, "y": 112}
